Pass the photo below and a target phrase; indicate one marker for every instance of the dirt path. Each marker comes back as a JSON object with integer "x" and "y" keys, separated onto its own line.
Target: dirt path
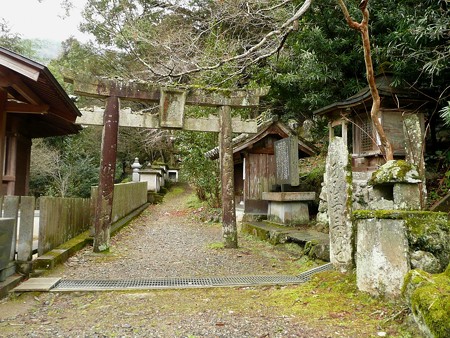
{"x": 168, "y": 241}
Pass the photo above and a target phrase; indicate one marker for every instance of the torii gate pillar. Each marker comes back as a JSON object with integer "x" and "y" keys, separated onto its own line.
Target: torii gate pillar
{"x": 229, "y": 228}
{"x": 103, "y": 210}
{"x": 168, "y": 98}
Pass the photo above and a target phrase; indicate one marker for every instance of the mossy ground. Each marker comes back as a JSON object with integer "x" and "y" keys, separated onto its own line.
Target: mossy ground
{"x": 328, "y": 306}
{"x": 329, "y": 303}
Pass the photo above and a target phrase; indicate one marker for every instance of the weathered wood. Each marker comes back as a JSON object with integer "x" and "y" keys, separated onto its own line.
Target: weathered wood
{"x": 102, "y": 219}
{"x": 7, "y": 226}
{"x": 60, "y": 220}
{"x": 144, "y": 91}
{"x": 11, "y": 210}
{"x": 18, "y": 107}
{"x": 3, "y": 99}
{"x": 25, "y": 243}
{"x": 127, "y": 197}
{"x": 128, "y": 118}
{"x": 229, "y": 229}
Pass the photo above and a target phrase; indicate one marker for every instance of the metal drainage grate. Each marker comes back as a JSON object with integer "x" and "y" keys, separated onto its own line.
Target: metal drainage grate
{"x": 306, "y": 276}
{"x": 176, "y": 283}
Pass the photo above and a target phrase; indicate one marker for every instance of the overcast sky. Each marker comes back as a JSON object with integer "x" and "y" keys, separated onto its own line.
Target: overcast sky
{"x": 44, "y": 20}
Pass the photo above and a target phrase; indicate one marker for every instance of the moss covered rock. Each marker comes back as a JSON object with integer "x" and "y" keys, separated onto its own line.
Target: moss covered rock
{"x": 395, "y": 172}
{"x": 428, "y": 297}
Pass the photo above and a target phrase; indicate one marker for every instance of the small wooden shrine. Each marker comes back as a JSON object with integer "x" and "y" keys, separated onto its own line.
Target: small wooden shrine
{"x": 351, "y": 120}
{"x": 255, "y": 166}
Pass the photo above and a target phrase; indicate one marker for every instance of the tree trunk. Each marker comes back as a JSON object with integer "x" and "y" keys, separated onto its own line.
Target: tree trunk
{"x": 363, "y": 28}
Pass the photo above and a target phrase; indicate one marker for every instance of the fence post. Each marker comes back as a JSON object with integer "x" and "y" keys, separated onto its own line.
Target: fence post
{"x": 11, "y": 210}
{"x": 6, "y": 240}
{"x": 26, "y": 227}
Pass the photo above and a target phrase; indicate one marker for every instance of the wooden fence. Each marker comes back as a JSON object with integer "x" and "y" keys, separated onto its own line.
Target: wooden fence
{"x": 17, "y": 213}
{"x": 127, "y": 197}
{"x": 60, "y": 219}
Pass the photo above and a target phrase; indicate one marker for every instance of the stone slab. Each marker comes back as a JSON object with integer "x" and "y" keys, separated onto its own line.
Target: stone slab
{"x": 7, "y": 232}
{"x": 288, "y": 196}
{"x": 10, "y": 283}
{"x": 280, "y": 234}
{"x": 381, "y": 256}
{"x": 37, "y": 284}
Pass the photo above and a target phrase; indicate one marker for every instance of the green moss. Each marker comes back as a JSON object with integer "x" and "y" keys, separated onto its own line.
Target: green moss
{"x": 216, "y": 246}
{"x": 429, "y": 299}
{"x": 395, "y": 171}
{"x": 401, "y": 214}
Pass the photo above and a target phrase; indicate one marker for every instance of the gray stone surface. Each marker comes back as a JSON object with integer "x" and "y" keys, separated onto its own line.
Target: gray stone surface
{"x": 7, "y": 230}
{"x": 286, "y": 157}
{"x": 288, "y": 213}
{"x": 425, "y": 261}
{"x": 26, "y": 229}
{"x": 339, "y": 205}
{"x": 407, "y": 196}
{"x": 381, "y": 257}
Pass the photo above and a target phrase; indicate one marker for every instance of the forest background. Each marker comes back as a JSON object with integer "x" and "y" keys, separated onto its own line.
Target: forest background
{"x": 303, "y": 50}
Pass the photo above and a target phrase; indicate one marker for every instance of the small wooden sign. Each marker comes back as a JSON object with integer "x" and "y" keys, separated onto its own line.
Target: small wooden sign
{"x": 286, "y": 158}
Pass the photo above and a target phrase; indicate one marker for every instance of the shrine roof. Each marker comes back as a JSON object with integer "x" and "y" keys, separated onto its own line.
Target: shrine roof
{"x": 400, "y": 96}
{"x": 270, "y": 127}
{"x": 35, "y": 95}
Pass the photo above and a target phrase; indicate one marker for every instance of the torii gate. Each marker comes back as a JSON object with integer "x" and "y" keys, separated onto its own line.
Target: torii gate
{"x": 172, "y": 101}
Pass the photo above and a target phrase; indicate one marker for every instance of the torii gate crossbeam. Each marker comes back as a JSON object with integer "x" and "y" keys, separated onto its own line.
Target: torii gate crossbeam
{"x": 172, "y": 101}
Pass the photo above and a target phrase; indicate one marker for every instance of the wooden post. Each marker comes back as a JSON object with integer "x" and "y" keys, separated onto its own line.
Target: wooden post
{"x": 103, "y": 211}
{"x": 3, "y": 98}
{"x": 229, "y": 229}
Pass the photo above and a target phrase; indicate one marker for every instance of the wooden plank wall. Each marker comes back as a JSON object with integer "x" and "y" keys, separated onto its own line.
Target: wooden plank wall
{"x": 127, "y": 197}
{"x": 60, "y": 220}
{"x": 261, "y": 175}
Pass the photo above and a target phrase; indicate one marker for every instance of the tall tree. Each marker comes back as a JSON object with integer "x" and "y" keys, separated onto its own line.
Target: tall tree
{"x": 363, "y": 28}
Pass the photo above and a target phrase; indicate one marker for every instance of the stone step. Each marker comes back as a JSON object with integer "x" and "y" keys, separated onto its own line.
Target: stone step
{"x": 316, "y": 244}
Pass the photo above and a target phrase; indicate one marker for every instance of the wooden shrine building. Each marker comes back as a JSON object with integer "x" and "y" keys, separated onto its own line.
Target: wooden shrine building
{"x": 32, "y": 105}
{"x": 255, "y": 166}
{"x": 351, "y": 120}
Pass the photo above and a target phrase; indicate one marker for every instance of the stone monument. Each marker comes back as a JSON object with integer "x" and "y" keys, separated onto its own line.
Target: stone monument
{"x": 339, "y": 195}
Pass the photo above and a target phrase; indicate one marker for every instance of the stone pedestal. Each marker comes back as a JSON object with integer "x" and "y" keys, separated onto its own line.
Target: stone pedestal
{"x": 288, "y": 208}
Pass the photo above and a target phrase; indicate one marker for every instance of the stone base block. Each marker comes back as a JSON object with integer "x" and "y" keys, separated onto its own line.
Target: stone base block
{"x": 288, "y": 213}
{"x": 381, "y": 256}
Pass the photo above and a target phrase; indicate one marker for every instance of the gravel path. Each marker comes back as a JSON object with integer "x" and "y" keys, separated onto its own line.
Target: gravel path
{"x": 168, "y": 241}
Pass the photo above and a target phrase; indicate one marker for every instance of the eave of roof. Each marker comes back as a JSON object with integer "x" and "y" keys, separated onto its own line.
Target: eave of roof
{"x": 62, "y": 112}
{"x": 385, "y": 89}
{"x": 243, "y": 141}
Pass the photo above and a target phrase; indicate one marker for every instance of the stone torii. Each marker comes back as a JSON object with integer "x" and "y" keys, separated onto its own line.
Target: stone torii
{"x": 171, "y": 115}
